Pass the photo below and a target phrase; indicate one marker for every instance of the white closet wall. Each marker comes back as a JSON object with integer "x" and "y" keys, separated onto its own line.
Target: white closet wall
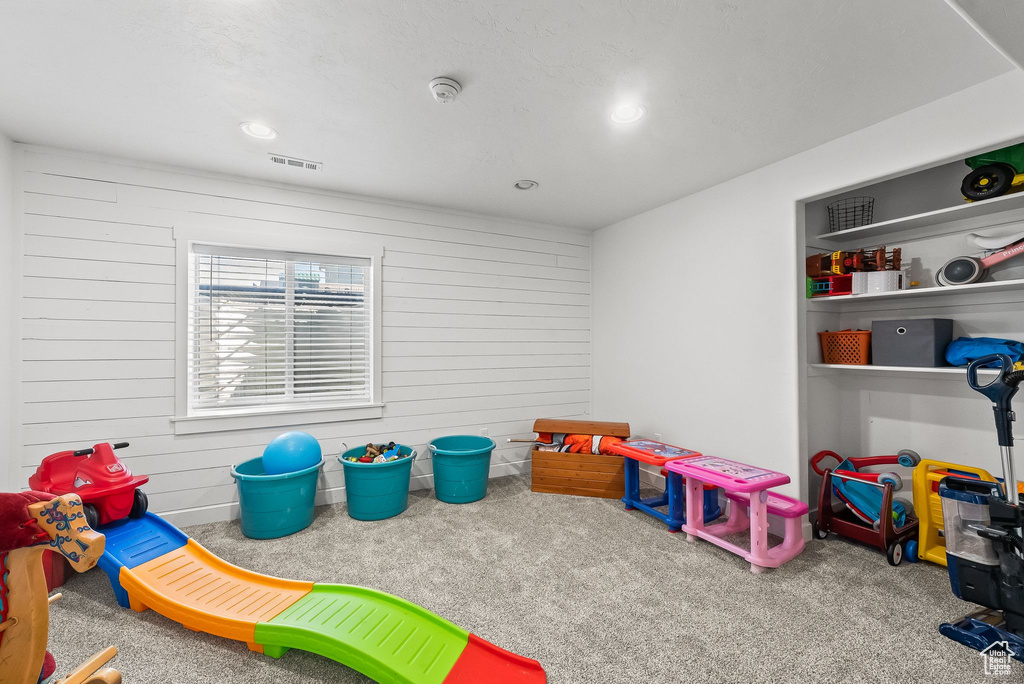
{"x": 695, "y": 303}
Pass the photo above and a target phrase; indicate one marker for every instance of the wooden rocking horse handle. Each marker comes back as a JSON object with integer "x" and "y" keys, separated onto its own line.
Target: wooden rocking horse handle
{"x": 89, "y": 672}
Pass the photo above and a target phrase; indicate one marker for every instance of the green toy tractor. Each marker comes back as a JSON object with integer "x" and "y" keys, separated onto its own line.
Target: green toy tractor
{"x": 994, "y": 173}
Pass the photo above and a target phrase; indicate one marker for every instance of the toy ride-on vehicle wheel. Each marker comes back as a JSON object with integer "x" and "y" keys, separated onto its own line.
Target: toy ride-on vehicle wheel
{"x": 92, "y": 515}
{"x": 911, "y": 551}
{"x": 818, "y": 532}
{"x": 908, "y": 458}
{"x": 987, "y": 181}
{"x": 139, "y": 505}
{"x": 894, "y": 554}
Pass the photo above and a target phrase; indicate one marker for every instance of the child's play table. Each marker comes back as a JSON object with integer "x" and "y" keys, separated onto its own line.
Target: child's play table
{"x": 637, "y": 451}
{"x": 744, "y": 484}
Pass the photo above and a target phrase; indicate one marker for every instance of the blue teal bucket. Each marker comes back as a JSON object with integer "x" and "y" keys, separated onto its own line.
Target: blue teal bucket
{"x": 275, "y": 505}
{"x": 375, "y": 491}
{"x": 462, "y": 464}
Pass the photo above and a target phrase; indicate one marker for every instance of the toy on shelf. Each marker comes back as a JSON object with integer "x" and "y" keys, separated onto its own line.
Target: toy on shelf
{"x": 105, "y": 484}
{"x": 927, "y": 476}
{"x": 637, "y": 451}
{"x": 153, "y": 564}
{"x": 964, "y": 270}
{"x": 870, "y": 514}
{"x": 31, "y": 522}
{"x": 983, "y": 523}
{"x": 841, "y": 263}
{"x": 750, "y": 505}
{"x": 830, "y": 274}
{"x": 994, "y": 173}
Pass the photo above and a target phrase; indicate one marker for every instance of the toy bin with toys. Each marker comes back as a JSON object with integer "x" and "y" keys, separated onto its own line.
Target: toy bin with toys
{"x": 377, "y": 480}
{"x": 573, "y": 457}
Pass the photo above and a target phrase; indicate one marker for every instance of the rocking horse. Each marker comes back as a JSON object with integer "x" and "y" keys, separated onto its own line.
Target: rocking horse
{"x": 30, "y": 523}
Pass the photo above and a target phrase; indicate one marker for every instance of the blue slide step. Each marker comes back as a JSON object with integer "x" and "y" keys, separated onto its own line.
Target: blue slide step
{"x": 131, "y": 543}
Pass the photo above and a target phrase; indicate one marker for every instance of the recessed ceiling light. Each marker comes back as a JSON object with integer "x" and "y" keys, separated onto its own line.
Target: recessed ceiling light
{"x": 258, "y": 130}
{"x": 526, "y": 184}
{"x": 629, "y": 113}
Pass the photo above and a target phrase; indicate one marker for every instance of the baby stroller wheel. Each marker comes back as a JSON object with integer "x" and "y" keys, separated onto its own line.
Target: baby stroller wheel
{"x": 894, "y": 554}
{"x": 818, "y": 532}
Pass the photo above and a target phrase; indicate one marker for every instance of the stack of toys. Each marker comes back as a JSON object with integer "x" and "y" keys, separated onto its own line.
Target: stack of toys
{"x": 377, "y": 453}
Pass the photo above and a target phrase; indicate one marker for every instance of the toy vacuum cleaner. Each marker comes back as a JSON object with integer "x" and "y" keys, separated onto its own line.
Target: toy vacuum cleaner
{"x": 107, "y": 487}
{"x": 983, "y": 521}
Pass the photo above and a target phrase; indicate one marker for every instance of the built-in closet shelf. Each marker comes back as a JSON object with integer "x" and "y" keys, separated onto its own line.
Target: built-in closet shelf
{"x": 921, "y": 292}
{"x": 931, "y": 219}
{"x": 951, "y": 373}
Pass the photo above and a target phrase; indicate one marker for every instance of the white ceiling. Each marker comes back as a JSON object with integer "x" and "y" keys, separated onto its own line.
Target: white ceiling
{"x": 729, "y": 86}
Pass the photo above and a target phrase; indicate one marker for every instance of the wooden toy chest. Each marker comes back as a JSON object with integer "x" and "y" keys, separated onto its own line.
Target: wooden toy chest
{"x": 556, "y": 472}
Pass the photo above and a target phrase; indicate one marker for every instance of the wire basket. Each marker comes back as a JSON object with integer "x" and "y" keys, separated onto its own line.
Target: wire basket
{"x": 849, "y": 347}
{"x": 852, "y": 212}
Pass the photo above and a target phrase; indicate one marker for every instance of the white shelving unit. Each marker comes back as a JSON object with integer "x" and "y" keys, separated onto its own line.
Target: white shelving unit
{"x": 871, "y": 410}
{"x": 952, "y": 373}
{"x": 920, "y": 292}
{"x": 982, "y": 214}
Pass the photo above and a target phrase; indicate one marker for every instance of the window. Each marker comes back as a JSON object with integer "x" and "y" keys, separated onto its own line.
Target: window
{"x": 276, "y": 330}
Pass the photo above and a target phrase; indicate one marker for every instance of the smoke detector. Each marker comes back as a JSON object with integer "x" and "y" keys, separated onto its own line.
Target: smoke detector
{"x": 444, "y": 89}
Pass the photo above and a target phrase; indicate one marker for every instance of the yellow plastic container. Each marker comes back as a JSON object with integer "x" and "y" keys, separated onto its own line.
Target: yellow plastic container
{"x": 928, "y": 505}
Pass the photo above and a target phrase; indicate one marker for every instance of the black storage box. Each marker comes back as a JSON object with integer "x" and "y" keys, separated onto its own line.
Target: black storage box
{"x": 919, "y": 342}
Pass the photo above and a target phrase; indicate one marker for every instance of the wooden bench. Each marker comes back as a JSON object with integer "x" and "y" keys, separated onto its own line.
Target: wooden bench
{"x": 598, "y": 475}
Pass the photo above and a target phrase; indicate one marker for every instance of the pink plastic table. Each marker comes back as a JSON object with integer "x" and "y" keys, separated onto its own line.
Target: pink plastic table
{"x": 740, "y": 478}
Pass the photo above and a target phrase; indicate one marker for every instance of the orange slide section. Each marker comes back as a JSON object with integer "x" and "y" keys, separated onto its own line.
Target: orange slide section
{"x": 204, "y": 593}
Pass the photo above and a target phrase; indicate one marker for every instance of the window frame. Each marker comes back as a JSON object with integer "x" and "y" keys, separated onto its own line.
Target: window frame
{"x": 241, "y": 418}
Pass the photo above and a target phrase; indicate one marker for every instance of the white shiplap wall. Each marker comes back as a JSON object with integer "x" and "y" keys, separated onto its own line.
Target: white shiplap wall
{"x": 486, "y": 322}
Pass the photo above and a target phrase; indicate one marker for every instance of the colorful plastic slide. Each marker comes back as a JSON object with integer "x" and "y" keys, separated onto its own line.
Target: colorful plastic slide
{"x": 152, "y": 564}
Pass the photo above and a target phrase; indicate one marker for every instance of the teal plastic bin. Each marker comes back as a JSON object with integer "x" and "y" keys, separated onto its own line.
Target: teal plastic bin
{"x": 375, "y": 491}
{"x": 462, "y": 464}
{"x": 275, "y": 505}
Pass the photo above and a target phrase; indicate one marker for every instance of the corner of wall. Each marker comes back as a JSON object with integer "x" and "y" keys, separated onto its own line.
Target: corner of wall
{"x": 8, "y": 231}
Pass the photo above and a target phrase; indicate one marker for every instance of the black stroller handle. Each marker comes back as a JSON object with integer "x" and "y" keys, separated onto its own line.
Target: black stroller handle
{"x": 1000, "y": 392}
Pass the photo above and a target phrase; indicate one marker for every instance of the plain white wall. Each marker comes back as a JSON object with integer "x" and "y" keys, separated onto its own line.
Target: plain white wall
{"x": 695, "y": 302}
{"x": 7, "y": 233}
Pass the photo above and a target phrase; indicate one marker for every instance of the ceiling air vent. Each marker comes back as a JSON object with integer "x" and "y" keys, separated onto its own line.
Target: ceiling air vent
{"x": 297, "y": 163}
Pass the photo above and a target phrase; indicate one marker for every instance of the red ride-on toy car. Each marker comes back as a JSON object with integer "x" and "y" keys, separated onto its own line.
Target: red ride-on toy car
{"x": 108, "y": 489}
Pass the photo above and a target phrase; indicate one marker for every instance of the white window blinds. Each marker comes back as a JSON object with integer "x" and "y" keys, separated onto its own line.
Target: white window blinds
{"x": 271, "y": 329}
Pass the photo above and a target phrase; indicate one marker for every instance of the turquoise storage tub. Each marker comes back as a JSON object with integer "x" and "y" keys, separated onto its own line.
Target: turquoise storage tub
{"x": 462, "y": 464}
{"x": 275, "y": 505}
{"x": 375, "y": 491}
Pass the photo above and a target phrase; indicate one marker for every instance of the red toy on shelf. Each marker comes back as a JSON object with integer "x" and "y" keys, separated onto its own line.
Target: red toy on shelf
{"x": 107, "y": 487}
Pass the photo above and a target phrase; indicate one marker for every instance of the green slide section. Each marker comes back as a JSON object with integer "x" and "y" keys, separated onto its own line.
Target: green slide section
{"x": 386, "y": 638}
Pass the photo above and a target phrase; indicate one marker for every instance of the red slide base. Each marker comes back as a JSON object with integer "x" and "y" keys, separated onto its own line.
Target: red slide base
{"x": 482, "y": 661}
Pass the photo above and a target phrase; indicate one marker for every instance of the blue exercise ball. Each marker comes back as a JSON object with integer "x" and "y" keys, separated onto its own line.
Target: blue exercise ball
{"x": 291, "y": 452}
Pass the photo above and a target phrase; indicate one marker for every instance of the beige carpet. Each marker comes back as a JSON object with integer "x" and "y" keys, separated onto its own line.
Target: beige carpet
{"x": 595, "y": 593}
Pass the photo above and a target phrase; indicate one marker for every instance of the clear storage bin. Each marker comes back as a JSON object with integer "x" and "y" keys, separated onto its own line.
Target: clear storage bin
{"x": 963, "y": 542}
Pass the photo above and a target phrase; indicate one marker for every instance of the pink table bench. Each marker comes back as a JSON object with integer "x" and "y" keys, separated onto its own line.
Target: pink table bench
{"x": 746, "y": 487}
